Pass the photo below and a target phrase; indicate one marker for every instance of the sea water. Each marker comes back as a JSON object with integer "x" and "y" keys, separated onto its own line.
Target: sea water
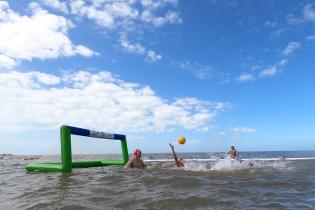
{"x": 260, "y": 180}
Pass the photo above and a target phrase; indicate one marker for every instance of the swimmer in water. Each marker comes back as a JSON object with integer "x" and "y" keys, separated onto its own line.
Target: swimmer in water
{"x": 29, "y": 158}
{"x": 136, "y": 161}
{"x": 233, "y": 153}
{"x": 178, "y": 162}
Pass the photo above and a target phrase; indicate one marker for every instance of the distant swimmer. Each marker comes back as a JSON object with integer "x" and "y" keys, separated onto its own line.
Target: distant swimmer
{"x": 233, "y": 153}
{"x": 136, "y": 161}
{"x": 179, "y": 162}
{"x": 29, "y": 158}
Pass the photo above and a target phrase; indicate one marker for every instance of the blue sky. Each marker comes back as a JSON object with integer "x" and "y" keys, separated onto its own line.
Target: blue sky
{"x": 220, "y": 73}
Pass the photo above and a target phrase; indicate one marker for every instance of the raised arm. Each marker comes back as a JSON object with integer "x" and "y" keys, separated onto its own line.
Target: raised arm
{"x": 174, "y": 155}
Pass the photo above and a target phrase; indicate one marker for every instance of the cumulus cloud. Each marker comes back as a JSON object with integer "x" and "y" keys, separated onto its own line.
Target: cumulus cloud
{"x": 6, "y": 61}
{"x": 36, "y": 100}
{"x": 309, "y": 12}
{"x": 169, "y": 18}
{"x": 283, "y": 62}
{"x": 155, "y": 4}
{"x": 308, "y": 16}
{"x": 274, "y": 69}
{"x": 277, "y": 67}
{"x": 290, "y": 48}
{"x": 125, "y": 14}
{"x": 153, "y": 56}
{"x": 240, "y": 130}
{"x": 199, "y": 70}
{"x": 245, "y": 77}
{"x": 129, "y": 16}
{"x": 137, "y": 48}
{"x": 56, "y": 4}
{"x": 268, "y": 72}
{"x": 42, "y": 35}
{"x": 311, "y": 37}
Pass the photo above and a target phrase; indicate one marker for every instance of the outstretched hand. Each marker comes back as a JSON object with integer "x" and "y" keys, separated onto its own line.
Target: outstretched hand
{"x": 171, "y": 145}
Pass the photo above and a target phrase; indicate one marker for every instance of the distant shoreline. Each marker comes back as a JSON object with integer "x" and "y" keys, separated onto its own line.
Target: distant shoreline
{"x": 152, "y": 153}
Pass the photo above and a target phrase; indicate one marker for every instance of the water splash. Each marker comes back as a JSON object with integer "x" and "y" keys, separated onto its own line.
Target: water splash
{"x": 231, "y": 164}
{"x": 227, "y": 164}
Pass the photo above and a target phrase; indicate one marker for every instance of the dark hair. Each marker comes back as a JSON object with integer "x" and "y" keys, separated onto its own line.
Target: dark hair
{"x": 232, "y": 147}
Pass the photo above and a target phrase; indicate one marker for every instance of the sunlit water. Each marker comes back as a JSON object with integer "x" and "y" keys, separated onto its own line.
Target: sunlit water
{"x": 207, "y": 182}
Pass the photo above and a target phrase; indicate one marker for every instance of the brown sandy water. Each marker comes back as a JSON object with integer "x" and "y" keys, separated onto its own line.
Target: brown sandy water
{"x": 266, "y": 185}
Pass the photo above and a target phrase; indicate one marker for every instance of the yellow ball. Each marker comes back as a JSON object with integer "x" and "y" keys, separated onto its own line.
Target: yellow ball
{"x": 181, "y": 140}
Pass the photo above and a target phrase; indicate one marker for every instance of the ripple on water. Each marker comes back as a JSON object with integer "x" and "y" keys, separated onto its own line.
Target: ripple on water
{"x": 160, "y": 186}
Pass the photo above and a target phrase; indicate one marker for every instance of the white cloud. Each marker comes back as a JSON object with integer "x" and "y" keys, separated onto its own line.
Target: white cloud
{"x": 129, "y": 16}
{"x": 245, "y": 77}
{"x": 134, "y": 48}
{"x": 56, "y": 4}
{"x": 158, "y": 21}
{"x": 308, "y": 15}
{"x": 290, "y": 48}
{"x": 271, "y": 71}
{"x": 283, "y": 62}
{"x": 42, "y": 35}
{"x": 291, "y": 19}
{"x": 195, "y": 104}
{"x": 271, "y": 24}
{"x": 36, "y": 100}
{"x": 155, "y": 4}
{"x": 240, "y": 130}
{"x": 199, "y": 70}
{"x": 309, "y": 12}
{"x": 6, "y": 61}
{"x": 125, "y": 14}
{"x": 224, "y": 4}
{"x": 45, "y": 79}
{"x": 137, "y": 48}
{"x": 84, "y": 51}
{"x": 153, "y": 56}
{"x": 311, "y": 37}
{"x": 99, "y": 15}
{"x": 277, "y": 67}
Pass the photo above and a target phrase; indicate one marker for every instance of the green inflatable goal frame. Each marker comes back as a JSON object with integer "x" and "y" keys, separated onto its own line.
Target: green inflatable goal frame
{"x": 66, "y": 164}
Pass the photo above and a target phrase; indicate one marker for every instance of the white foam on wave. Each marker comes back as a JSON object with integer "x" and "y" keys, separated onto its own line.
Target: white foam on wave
{"x": 198, "y": 166}
{"x": 215, "y": 159}
{"x": 228, "y": 164}
{"x": 231, "y": 165}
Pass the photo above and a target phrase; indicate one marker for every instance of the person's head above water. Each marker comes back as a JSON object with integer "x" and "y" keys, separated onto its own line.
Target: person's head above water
{"x": 137, "y": 153}
{"x": 136, "y": 161}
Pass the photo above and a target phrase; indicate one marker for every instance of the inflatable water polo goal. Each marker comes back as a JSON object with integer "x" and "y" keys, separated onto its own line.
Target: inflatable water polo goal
{"x": 66, "y": 164}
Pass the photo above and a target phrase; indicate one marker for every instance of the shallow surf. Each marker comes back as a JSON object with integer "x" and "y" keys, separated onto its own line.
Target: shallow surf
{"x": 202, "y": 184}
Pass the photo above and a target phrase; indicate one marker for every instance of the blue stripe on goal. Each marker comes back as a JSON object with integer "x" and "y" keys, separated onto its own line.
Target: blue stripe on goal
{"x": 95, "y": 134}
